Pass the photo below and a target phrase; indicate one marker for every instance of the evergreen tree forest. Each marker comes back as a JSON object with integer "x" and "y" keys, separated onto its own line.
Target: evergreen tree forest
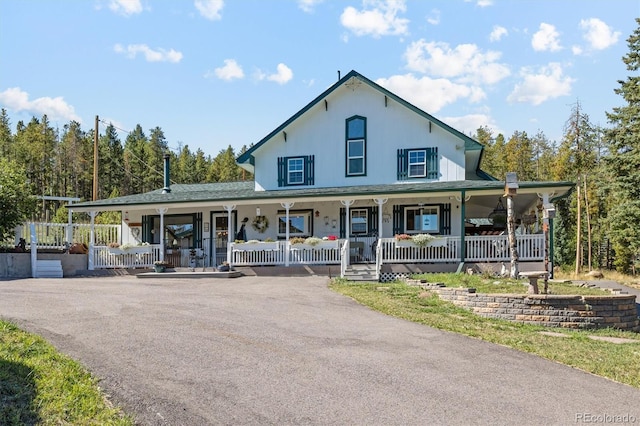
{"x": 597, "y": 225}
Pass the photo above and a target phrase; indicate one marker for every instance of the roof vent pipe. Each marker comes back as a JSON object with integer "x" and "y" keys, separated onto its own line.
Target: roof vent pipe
{"x": 167, "y": 178}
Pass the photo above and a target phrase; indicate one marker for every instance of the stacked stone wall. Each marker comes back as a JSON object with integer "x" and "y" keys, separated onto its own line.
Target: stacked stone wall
{"x": 565, "y": 311}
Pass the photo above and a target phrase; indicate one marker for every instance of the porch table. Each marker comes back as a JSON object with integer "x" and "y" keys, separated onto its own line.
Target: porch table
{"x": 533, "y": 277}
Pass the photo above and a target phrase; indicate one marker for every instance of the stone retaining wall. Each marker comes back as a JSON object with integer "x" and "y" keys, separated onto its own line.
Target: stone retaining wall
{"x": 18, "y": 265}
{"x": 566, "y": 311}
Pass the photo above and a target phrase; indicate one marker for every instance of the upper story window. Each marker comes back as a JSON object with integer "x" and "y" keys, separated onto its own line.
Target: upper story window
{"x": 356, "y": 146}
{"x": 296, "y": 170}
{"x": 418, "y": 163}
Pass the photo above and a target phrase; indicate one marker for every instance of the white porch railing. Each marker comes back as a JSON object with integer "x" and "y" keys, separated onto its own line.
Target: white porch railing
{"x": 495, "y": 248}
{"x": 445, "y": 252}
{"x": 106, "y": 258}
{"x": 278, "y": 256}
{"x": 55, "y": 235}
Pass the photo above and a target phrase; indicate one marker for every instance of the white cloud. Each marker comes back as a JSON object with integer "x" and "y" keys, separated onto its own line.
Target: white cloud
{"x": 210, "y": 9}
{"x": 158, "y": 55}
{"x": 469, "y": 124}
{"x": 598, "y": 34}
{"x": 308, "y": 5}
{"x": 282, "y": 76}
{"x": 55, "y": 108}
{"x": 125, "y": 7}
{"x": 230, "y": 71}
{"x": 434, "y": 18}
{"x": 377, "y": 18}
{"x": 429, "y": 94}
{"x": 466, "y": 62}
{"x": 546, "y": 38}
{"x": 485, "y": 3}
{"x": 497, "y": 33}
{"x": 538, "y": 87}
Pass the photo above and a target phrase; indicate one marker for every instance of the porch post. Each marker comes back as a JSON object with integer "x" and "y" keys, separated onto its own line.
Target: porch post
{"x": 229, "y": 208}
{"x": 69, "y": 225}
{"x": 548, "y": 262}
{"x": 92, "y": 234}
{"x": 162, "y": 211}
{"x": 287, "y": 206}
{"x": 463, "y": 216}
{"x": 347, "y": 226}
{"x": 380, "y": 202}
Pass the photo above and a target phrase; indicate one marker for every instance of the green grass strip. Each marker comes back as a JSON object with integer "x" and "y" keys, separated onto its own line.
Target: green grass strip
{"x": 618, "y": 362}
{"x": 38, "y": 385}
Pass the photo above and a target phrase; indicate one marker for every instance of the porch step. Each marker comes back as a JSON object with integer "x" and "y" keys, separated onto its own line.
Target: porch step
{"x": 361, "y": 272}
{"x": 48, "y": 269}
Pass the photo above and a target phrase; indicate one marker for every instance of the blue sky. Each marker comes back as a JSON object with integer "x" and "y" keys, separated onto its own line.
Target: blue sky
{"x": 214, "y": 73}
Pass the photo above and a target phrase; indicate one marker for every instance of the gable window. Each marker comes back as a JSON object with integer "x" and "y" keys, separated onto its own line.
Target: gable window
{"x": 422, "y": 220}
{"x": 299, "y": 224}
{"x": 356, "y": 146}
{"x": 359, "y": 221}
{"x": 296, "y": 170}
{"x": 418, "y": 163}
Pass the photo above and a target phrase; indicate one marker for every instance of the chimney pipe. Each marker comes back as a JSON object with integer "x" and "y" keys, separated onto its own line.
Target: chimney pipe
{"x": 167, "y": 179}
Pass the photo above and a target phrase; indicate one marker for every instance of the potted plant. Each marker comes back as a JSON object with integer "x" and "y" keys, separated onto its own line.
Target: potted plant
{"x": 161, "y": 265}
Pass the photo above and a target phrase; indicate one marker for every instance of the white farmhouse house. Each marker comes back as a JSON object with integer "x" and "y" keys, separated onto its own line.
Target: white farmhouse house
{"x": 356, "y": 166}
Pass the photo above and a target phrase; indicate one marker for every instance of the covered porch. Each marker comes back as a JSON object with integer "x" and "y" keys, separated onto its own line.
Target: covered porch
{"x": 358, "y": 226}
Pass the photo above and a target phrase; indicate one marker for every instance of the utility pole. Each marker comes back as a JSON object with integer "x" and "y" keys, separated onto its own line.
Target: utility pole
{"x": 95, "y": 161}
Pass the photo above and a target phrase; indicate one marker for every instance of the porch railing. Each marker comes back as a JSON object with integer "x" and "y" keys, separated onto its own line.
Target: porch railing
{"x": 495, "y": 248}
{"x": 445, "y": 252}
{"x": 58, "y": 235}
{"x": 278, "y": 255}
{"x": 106, "y": 258}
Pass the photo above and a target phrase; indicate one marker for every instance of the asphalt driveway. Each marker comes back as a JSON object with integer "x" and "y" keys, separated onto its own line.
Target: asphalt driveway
{"x": 272, "y": 350}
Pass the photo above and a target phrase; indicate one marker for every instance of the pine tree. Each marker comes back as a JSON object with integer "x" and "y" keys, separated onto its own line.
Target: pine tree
{"x": 623, "y": 163}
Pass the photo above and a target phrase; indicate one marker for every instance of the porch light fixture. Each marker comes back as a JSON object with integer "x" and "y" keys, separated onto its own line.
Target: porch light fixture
{"x": 499, "y": 215}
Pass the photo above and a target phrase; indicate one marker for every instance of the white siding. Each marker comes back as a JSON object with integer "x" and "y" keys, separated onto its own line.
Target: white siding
{"x": 321, "y": 133}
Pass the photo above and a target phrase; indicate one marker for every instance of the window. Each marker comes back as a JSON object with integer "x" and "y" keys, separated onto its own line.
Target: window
{"x": 418, "y": 163}
{"x": 356, "y": 146}
{"x": 359, "y": 221}
{"x": 296, "y": 170}
{"x": 422, "y": 220}
{"x": 299, "y": 224}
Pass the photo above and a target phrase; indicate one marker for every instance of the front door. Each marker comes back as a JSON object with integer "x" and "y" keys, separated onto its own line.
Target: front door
{"x": 220, "y": 237}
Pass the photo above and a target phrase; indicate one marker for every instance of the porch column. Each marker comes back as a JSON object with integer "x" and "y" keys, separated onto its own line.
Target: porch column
{"x": 347, "y": 226}
{"x": 162, "y": 211}
{"x": 548, "y": 260}
{"x": 69, "y": 225}
{"x": 463, "y": 215}
{"x": 229, "y": 208}
{"x": 287, "y": 206}
{"x": 380, "y": 202}
{"x": 92, "y": 235}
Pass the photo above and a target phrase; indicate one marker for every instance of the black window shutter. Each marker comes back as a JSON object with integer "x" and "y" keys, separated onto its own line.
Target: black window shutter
{"x": 445, "y": 219}
{"x": 309, "y": 169}
{"x": 373, "y": 220}
{"x": 343, "y": 212}
{"x": 197, "y": 230}
{"x": 398, "y": 220}
{"x": 147, "y": 236}
{"x": 282, "y": 171}
{"x": 402, "y": 164}
{"x": 432, "y": 163}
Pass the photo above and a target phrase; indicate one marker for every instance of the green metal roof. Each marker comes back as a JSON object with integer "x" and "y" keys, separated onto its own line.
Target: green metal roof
{"x": 243, "y": 192}
{"x": 469, "y": 143}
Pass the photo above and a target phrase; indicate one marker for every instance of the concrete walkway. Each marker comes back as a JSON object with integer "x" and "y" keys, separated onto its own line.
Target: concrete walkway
{"x": 284, "y": 351}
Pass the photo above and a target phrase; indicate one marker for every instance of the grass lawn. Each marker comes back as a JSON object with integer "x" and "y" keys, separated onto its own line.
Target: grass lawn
{"x": 618, "y": 362}
{"x": 38, "y": 385}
